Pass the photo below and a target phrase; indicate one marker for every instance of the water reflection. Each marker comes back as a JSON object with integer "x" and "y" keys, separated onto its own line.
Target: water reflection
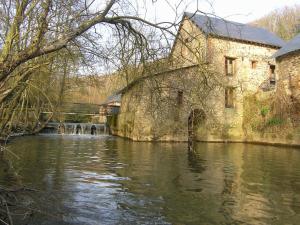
{"x": 105, "y": 180}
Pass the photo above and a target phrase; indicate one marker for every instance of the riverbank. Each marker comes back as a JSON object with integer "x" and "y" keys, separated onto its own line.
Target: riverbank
{"x": 269, "y": 139}
{"x": 5, "y": 140}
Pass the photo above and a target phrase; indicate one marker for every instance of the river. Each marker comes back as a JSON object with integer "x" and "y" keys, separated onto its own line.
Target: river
{"x": 86, "y": 179}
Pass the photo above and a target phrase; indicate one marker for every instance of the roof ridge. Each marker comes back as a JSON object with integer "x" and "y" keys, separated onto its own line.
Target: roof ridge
{"x": 212, "y": 24}
{"x": 229, "y": 21}
{"x": 215, "y": 17}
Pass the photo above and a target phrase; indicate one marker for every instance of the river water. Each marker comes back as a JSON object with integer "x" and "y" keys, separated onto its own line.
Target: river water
{"x": 108, "y": 180}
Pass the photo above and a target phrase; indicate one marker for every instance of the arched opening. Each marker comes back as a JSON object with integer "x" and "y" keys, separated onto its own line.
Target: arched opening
{"x": 196, "y": 119}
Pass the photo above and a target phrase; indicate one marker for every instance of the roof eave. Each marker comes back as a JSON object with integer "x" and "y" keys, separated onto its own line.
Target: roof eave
{"x": 276, "y": 56}
{"x": 245, "y": 41}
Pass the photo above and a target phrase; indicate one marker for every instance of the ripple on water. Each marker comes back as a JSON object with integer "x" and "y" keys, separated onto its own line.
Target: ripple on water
{"x": 104, "y": 180}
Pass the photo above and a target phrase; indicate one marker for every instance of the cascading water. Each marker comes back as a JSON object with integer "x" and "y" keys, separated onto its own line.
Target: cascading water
{"x": 76, "y": 128}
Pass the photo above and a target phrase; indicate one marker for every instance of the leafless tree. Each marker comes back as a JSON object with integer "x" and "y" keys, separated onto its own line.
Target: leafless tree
{"x": 34, "y": 34}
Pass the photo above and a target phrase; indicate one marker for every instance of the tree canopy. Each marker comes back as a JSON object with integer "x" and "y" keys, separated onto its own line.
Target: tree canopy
{"x": 285, "y": 22}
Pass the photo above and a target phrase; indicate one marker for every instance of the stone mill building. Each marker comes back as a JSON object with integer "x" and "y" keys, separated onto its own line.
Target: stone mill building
{"x": 213, "y": 67}
{"x": 288, "y": 89}
{"x": 288, "y": 61}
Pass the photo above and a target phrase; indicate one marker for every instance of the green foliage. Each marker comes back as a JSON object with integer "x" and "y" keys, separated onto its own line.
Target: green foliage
{"x": 264, "y": 111}
{"x": 260, "y": 117}
{"x": 274, "y": 121}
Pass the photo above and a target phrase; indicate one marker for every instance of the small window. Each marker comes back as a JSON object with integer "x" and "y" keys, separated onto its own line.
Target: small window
{"x": 229, "y": 97}
{"x": 272, "y": 75}
{"x": 253, "y": 64}
{"x": 229, "y": 66}
{"x": 179, "y": 97}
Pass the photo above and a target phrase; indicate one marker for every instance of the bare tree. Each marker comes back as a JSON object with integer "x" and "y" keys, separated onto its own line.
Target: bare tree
{"x": 285, "y": 22}
{"x": 35, "y": 33}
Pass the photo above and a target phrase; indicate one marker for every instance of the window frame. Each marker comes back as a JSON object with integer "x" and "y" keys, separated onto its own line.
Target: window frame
{"x": 179, "y": 99}
{"x": 254, "y": 64}
{"x": 272, "y": 74}
{"x": 233, "y": 66}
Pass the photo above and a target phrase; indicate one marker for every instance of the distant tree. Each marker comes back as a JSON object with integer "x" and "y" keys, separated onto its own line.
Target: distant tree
{"x": 298, "y": 27}
{"x": 284, "y": 22}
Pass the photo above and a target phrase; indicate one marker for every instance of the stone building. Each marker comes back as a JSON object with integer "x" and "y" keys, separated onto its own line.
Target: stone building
{"x": 214, "y": 65}
{"x": 288, "y": 91}
{"x": 109, "y": 108}
{"x": 288, "y": 61}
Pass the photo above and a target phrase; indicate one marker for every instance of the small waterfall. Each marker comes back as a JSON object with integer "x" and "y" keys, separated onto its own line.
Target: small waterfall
{"x": 76, "y": 128}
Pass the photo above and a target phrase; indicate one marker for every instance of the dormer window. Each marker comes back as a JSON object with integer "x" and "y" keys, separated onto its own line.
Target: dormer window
{"x": 229, "y": 66}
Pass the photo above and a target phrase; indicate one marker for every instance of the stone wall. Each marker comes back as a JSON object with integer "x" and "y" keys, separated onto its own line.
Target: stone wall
{"x": 288, "y": 91}
{"x": 190, "y": 46}
{"x": 289, "y": 75}
{"x": 150, "y": 110}
{"x": 245, "y": 81}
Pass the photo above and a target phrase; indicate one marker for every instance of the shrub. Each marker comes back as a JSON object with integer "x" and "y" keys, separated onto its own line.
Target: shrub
{"x": 275, "y": 121}
{"x": 264, "y": 111}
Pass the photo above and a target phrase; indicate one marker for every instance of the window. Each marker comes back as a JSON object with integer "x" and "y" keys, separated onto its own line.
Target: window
{"x": 179, "y": 97}
{"x": 229, "y": 97}
{"x": 253, "y": 64}
{"x": 229, "y": 66}
{"x": 272, "y": 75}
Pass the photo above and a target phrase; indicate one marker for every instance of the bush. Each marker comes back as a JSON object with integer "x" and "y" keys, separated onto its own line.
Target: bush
{"x": 275, "y": 121}
{"x": 264, "y": 111}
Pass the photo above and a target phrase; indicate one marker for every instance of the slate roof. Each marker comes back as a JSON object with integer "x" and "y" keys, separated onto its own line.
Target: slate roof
{"x": 234, "y": 30}
{"x": 291, "y": 46}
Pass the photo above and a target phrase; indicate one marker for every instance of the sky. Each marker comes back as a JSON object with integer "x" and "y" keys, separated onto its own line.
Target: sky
{"x": 242, "y": 11}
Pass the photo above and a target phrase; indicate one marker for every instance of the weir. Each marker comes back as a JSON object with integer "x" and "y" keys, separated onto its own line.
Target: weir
{"x": 75, "y": 128}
